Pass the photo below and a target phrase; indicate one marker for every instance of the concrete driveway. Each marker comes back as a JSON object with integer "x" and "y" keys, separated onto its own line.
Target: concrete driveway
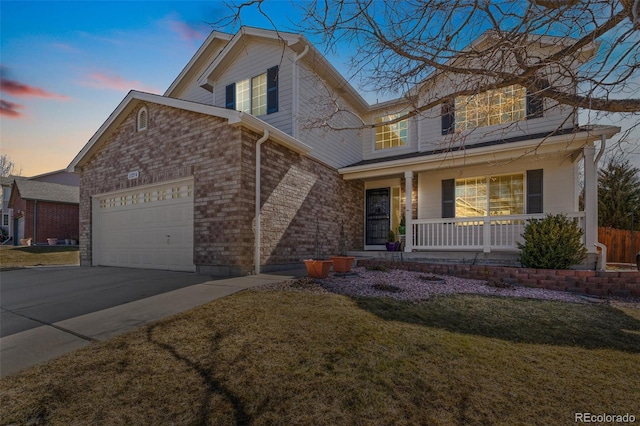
{"x": 49, "y": 311}
{"x": 39, "y": 296}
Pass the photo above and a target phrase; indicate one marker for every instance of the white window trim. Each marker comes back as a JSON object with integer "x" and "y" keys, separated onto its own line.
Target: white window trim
{"x": 468, "y": 128}
{"x": 391, "y": 149}
{"x": 249, "y": 81}
{"x": 488, "y": 193}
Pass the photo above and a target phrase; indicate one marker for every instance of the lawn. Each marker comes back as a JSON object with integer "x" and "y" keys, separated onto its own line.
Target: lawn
{"x": 15, "y": 257}
{"x": 302, "y": 356}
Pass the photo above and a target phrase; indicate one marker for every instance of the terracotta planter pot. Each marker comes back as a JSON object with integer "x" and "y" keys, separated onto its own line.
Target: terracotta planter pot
{"x": 25, "y": 241}
{"x": 342, "y": 264}
{"x": 318, "y": 268}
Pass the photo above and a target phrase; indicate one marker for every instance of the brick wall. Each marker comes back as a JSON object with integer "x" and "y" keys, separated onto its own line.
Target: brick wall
{"x": 221, "y": 159}
{"x": 299, "y": 196}
{"x": 53, "y": 220}
{"x": 596, "y": 283}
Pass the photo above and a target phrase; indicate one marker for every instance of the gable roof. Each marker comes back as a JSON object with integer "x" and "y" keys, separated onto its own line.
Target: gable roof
{"x": 45, "y": 191}
{"x": 296, "y": 42}
{"x": 8, "y": 180}
{"x": 133, "y": 98}
{"x": 214, "y": 43}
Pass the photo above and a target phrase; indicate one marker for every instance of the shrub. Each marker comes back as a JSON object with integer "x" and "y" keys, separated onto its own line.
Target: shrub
{"x": 554, "y": 242}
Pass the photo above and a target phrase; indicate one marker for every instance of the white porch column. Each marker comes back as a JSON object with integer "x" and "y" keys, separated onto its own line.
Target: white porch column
{"x": 590, "y": 198}
{"x": 408, "y": 212}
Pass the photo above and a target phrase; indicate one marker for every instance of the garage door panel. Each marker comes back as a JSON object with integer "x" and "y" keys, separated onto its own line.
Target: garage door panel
{"x": 146, "y": 228}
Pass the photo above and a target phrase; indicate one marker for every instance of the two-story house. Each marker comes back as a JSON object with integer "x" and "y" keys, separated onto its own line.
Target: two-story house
{"x": 260, "y": 152}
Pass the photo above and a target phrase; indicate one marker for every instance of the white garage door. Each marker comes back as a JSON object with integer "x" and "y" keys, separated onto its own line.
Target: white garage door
{"x": 147, "y": 227}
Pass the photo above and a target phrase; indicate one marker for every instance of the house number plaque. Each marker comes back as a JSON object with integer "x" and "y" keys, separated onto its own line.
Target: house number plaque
{"x": 133, "y": 175}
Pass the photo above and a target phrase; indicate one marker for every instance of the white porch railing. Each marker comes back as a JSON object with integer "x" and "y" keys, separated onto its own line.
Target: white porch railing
{"x": 475, "y": 233}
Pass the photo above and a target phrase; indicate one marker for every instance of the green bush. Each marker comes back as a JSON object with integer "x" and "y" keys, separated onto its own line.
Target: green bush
{"x": 554, "y": 242}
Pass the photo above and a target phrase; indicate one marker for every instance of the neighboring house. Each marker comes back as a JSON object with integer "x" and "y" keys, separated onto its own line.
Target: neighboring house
{"x": 62, "y": 177}
{"x": 7, "y": 223}
{"x": 229, "y": 173}
{"x": 44, "y": 210}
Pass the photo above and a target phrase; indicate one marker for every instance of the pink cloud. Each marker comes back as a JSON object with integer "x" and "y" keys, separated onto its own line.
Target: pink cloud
{"x": 9, "y": 109}
{"x": 115, "y": 82}
{"x": 186, "y": 31}
{"x": 66, "y": 47}
{"x": 16, "y": 88}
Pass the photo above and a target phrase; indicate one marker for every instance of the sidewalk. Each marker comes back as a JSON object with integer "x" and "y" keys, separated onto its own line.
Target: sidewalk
{"x": 22, "y": 350}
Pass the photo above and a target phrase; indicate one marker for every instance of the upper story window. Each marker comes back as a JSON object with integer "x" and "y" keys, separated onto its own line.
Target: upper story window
{"x": 492, "y": 107}
{"x": 143, "y": 119}
{"x": 391, "y": 135}
{"x": 256, "y": 96}
{"x": 499, "y": 106}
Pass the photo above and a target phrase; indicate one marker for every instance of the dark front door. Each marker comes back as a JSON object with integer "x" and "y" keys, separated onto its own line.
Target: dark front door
{"x": 378, "y": 209}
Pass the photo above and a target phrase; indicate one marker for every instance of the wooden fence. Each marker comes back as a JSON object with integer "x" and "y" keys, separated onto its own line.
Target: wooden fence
{"x": 622, "y": 246}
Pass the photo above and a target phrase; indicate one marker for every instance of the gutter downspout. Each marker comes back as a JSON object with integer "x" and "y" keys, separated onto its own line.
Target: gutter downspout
{"x": 257, "y": 244}
{"x": 35, "y": 222}
{"x": 603, "y": 263}
{"x": 296, "y": 90}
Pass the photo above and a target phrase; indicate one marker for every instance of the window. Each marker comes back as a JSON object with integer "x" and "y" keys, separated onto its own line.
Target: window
{"x": 5, "y": 220}
{"x": 243, "y": 96}
{"x": 257, "y": 96}
{"x": 500, "y": 195}
{"x": 391, "y": 135}
{"x": 490, "y": 108}
{"x": 143, "y": 119}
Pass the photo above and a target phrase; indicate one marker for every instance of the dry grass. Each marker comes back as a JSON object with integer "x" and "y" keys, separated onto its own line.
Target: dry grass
{"x": 302, "y": 357}
{"x": 15, "y": 257}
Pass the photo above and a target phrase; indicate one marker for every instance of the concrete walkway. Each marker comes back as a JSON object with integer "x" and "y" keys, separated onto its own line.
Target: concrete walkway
{"x": 22, "y": 350}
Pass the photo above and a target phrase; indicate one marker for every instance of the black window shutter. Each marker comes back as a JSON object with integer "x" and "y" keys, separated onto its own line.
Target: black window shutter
{"x": 534, "y": 191}
{"x": 448, "y": 198}
{"x": 535, "y": 106}
{"x": 230, "y": 101}
{"x": 448, "y": 117}
{"x": 272, "y": 90}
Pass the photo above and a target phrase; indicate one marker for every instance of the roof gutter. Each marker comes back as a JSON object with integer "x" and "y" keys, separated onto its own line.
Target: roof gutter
{"x": 427, "y": 162}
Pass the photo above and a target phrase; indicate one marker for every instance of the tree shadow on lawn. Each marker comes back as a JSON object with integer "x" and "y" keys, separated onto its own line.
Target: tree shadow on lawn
{"x": 517, "y": 320}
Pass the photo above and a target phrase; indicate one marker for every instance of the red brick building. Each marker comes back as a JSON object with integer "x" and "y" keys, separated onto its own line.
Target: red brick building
{"x": 45, "y": 210}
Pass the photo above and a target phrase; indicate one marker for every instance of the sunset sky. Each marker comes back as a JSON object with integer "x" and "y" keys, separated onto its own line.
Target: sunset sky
{"x": 65, "y": 66}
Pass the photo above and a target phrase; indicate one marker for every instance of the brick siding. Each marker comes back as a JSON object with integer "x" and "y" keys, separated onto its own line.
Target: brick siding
{"x": 302, "y": 198}
{"x": 595, "y": 283}
{"x": 53, "y": 220}
{"x": 221, "y": 159}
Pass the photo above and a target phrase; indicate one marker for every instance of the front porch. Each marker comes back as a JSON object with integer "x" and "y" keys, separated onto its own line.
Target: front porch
{"x": 478, "y": 234}
{"x": 491, "y": 241}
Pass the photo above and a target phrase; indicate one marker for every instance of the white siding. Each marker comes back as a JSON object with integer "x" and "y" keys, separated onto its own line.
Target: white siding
{"x": 252, "y": 60}
{"x": 191, "y": 90}
{"x": 559, "y": 184}
{"x": 195, "y": 93}
{"x": 555, "y": 117}
{"x": 337, "y": 148}
{"x": 369, "y": 134}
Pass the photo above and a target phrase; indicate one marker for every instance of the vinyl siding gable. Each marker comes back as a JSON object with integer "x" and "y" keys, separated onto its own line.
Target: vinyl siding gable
{"x": 255, "y": 58}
